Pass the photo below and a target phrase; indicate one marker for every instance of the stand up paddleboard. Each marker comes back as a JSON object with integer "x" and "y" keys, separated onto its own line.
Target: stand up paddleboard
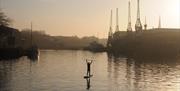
{"x": 85, "y": 77}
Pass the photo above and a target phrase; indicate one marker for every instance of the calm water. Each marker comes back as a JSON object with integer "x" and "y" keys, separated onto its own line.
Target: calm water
{"x": 64, "y": 71}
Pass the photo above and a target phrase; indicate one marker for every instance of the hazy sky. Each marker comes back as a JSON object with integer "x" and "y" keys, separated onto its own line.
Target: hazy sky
{"x": 87, "y": 17}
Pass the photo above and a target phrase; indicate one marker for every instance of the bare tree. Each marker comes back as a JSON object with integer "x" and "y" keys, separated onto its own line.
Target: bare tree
{"x": 4, "y": 20}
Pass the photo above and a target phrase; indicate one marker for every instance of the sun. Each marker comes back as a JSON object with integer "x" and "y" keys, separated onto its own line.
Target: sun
{"x": 173, "y": 9}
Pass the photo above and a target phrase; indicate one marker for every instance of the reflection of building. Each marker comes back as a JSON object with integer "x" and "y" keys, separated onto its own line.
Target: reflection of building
{"x": 9, "y": 37}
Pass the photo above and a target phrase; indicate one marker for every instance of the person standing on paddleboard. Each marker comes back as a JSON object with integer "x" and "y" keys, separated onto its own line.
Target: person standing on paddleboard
{"x": 88, "y": 67}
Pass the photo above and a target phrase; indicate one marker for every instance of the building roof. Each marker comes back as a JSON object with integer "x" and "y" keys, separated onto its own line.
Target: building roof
{"x": 6, "y": 30}
{"x": 166, "y": 29}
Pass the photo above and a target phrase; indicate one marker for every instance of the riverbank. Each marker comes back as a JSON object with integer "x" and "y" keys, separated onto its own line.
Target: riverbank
{"x": 15, "y": 53}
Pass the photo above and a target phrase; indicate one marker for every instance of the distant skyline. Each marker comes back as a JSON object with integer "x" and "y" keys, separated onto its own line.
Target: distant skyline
{"x": 88, "y": 17}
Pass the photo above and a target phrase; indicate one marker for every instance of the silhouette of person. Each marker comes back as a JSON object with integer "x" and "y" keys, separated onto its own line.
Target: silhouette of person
{"x": 88, "y": 67}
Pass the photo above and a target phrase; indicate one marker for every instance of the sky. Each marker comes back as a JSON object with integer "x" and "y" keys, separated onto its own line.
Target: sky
{"x": 88, "y": 17}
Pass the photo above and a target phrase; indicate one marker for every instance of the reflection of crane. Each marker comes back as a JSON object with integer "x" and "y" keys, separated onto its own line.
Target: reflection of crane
{"x": 138, "y": 25}
{"x": 129, "y": 28}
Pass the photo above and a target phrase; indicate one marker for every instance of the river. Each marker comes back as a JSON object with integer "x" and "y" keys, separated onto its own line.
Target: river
{"x": 63, "y": 70}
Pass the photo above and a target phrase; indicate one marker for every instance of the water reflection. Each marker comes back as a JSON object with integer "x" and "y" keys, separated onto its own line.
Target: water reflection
{"x": 130, "y": 73}
{"x": 117, "y": 73}
{"x": 156, "y": 74}
{"x": 88, "y": 80}
{"x": 14, "y": 74}
{"x": 5, "y": 74}
{"x": 63, "y": 71}
{"x": 145, "y": 74}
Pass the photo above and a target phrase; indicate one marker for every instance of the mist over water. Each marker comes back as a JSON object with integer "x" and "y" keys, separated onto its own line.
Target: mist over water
{"x": 64, "y": 71}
